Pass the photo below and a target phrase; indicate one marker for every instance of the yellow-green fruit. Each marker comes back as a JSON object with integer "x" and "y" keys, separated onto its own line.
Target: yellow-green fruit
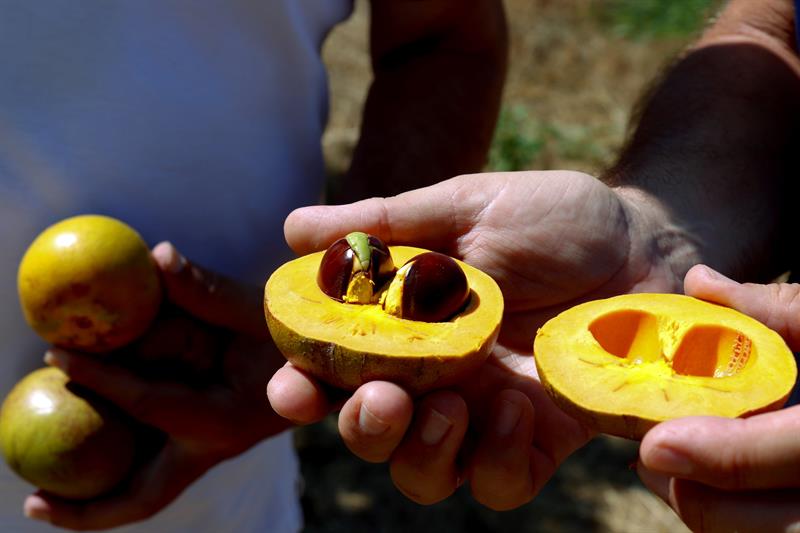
{"x": 624, "y": 364}
{"x": 62, "y": 438}
{"x": 89, "y": 283}
{"x": 348, "y": 344}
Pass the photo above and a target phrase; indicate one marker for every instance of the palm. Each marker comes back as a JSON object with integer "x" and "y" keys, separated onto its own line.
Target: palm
{"x": 547, "y": 241}
{"x": 550, "y": 240}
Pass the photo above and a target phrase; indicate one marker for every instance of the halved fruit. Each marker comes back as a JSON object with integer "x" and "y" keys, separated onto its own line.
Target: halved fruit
{"x": 623, "y": 364}
{"x": 347, "y": 344}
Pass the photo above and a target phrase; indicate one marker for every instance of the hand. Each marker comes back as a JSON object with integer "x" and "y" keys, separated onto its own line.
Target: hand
{"x": 732, "y": 474}
{"x": 217, "y": 412}
{"x": 550, "y": 240}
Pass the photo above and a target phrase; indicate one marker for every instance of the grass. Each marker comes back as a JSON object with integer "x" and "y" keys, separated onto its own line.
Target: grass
{"x": 513, "y": 148}
{"x": 522, "y": 142}
{"x": 654, "y": 18}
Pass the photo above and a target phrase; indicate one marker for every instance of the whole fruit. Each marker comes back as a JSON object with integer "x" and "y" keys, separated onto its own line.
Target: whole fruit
{"x": 89, "y": 283}
{"x": 64, "y": 439}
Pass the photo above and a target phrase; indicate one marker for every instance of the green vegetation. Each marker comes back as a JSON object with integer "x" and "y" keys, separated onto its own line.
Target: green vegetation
{"x": 655, "y": 18}
{"x": 523, "y": 142}
{"x": 513, "y": 148}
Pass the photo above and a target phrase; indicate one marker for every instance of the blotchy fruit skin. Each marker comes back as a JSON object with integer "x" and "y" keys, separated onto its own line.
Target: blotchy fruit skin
{"x": 89, "y": 283}
{"x": 346, "y": 345}
{"x": 62, "y": 438}
{"x": 624, "y": 364}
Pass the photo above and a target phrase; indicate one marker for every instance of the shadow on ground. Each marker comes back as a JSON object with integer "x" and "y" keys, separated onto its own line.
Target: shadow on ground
{"x": 345, "y": 494}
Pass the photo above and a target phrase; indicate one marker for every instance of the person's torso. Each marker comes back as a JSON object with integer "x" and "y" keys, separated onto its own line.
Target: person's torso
{"x": 195, "y": 121}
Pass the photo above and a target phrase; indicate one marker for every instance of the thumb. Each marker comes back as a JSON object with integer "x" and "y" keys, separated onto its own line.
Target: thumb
{"x": 777, "y": 305}
{"x": 432, "y": 217}
{"x": 758, "y": 452}
{"x": 209, "y": 296}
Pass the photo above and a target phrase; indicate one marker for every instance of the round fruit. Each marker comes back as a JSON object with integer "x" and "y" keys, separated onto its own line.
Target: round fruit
{"x": 354, "y": 268}
{"x": 624, "y": 364}
{"x": 431, "y": 287}
{"x": 89, "y": 283}
{"x": 62, "y": 438}
{"x": 347, "y": 345}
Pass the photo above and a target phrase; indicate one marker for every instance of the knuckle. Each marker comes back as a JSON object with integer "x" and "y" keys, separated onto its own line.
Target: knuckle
{"x": 732, "y": 468}
{"x": 501, "y": 500}
{"x": 503, "y": 487}
{"x": 697, "y": 506}
{"x": 421, "y": 486}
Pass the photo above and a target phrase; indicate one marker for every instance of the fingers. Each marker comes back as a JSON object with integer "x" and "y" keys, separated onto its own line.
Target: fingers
{"x": 373, "y": 421}
{"x": 425, "y": 466}
{"x": 708, "y": 509}
{"x": 431, "y": 217}
{"x": 501, "y": 473}
{"x": 166, "y": 406}
{"x": 296, "y": 396}
{"x": 777, "y": 304}
{"x": 151, "y": 489}
{"x": 209, "y": 296}
{"x": 735, "y": 454}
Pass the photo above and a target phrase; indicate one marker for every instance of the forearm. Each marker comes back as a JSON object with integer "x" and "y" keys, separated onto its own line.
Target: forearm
{"x": 716, "y": 143}
{"x": 431, "y": 109}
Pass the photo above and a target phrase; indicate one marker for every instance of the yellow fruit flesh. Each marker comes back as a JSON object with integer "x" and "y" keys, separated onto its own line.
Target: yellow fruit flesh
{"x": 624, "y": 364}
{"x": 349, "y": 344}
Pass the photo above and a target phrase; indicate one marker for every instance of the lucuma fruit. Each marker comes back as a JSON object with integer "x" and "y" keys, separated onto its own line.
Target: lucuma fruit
{"x": 623, "y": 364}
{"x": 63, "y": 438}
{"x": 89, "y": 283}
{"x": 348, "y": 344}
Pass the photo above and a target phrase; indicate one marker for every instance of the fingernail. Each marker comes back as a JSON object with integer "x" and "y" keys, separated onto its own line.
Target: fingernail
{"x": 55, "y": 357}
{"x": 507, "y": 417}
{"x": 36, "y": 510}
{"x": 668, "y": 461}
{"x": 168, "y": 258}
{"x": 713, "y": 274}
{"x": 435, "y": 427}
{"x": 369, "y": 423}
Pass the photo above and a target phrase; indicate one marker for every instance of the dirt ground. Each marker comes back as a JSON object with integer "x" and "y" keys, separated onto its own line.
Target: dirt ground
{"x": 572, "y": 85}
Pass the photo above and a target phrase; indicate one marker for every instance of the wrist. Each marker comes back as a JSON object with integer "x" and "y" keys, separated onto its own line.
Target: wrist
{"x": 665, "y": 246}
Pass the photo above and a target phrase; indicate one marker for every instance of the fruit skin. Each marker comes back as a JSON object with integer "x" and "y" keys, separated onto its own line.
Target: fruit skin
{"x": 64, "y": 439}
{"x": 622, "y": 365}
{"x": 346, "y": 345}
{"x": 89, "y": 283}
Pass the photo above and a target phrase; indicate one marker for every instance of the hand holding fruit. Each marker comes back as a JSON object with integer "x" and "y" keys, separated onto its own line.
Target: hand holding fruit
{"x": 742, "y": 474}
{"x": 206, "y": 409}
{"x": 550, "y": 240}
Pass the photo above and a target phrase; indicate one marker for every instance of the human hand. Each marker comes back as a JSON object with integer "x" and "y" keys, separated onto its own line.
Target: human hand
{"x": 208, "y": 404}
{"x": 550, "y": 240}
{"x": 732, "y": 474}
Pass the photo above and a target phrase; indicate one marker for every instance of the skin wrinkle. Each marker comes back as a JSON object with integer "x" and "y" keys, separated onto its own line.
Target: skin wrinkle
{"x": 384, "y": 222}
{"x": 583, "y": 249}
{"x": 634, "y": 212}
{"x": 512, "y": 249}
{"x": 789, "y": 296}
{"x": 463, "y": 244}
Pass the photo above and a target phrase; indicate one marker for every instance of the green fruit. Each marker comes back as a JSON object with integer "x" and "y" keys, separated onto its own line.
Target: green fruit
{"x": 62, "y": 438}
